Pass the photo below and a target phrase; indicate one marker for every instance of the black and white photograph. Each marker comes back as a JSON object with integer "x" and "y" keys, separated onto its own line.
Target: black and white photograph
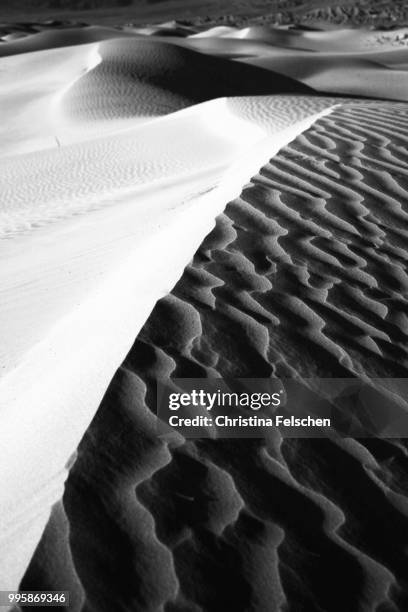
{"x": 204, "y": 305}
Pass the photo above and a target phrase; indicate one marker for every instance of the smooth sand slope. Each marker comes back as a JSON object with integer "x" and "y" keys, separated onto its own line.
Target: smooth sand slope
{"x": 89, "y": 230}
{"x": 360, "y": 75}
{"x": 304, "y": 275}
{"x": 146, "y": 78}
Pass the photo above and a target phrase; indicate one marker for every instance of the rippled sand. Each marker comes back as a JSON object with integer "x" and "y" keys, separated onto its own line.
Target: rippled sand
{"x": 114, "y": 167}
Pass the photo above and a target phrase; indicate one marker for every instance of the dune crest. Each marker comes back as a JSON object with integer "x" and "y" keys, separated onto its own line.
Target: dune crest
{"x": 146, "y": 188}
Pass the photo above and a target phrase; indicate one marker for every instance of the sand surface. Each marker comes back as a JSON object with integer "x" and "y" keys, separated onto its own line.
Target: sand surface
{"x": 303, "y": 275}
{"x": 118, "y": 154}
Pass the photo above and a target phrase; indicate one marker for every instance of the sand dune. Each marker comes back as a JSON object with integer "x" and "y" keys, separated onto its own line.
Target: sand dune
{"x": 168, "y": 28}
{"x": 148, "y": 78}
{"x": 346, "y": 62}
{"x": 115, "y": 162}
{"x": 303, "y": 275}
{"x": 360, "y": 76}
{"x": 344, "y": 40}
{"x": 90, "y": 90}
{"x": 95, "y": 88}
{"x": 343, "y": 62}
{"x": 32, "y": 107}
{"x": 70, "y": 295}
{"x": 23, "y": 38}
{"x": 55, "y": 38}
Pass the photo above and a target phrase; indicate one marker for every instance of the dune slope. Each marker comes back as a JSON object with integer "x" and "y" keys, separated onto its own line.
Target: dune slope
{"x": 94, "y": 89}
{"x": 79, "y": 221}
{"x": 304, "y": 274}
{"x": 149, "y": 78}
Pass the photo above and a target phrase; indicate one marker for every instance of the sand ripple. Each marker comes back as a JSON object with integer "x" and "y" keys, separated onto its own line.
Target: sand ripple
{"x": 304, "y": 274}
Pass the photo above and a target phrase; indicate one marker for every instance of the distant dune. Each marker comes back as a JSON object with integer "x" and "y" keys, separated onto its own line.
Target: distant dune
{"x": 278, "y": 157}
{"x": 149, "y": 78}
{"x": 345, "y": 62}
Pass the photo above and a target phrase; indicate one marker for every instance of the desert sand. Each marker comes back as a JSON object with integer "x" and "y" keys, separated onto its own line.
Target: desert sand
{"x": 119, "y": 152}
{"x": 289, "y": 283}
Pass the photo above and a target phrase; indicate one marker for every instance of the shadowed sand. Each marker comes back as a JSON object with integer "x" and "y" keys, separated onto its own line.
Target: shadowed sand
{"x": 305, "y": 274}
{"x": 345, "y": 62}
{"x": 90, "y": 90}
